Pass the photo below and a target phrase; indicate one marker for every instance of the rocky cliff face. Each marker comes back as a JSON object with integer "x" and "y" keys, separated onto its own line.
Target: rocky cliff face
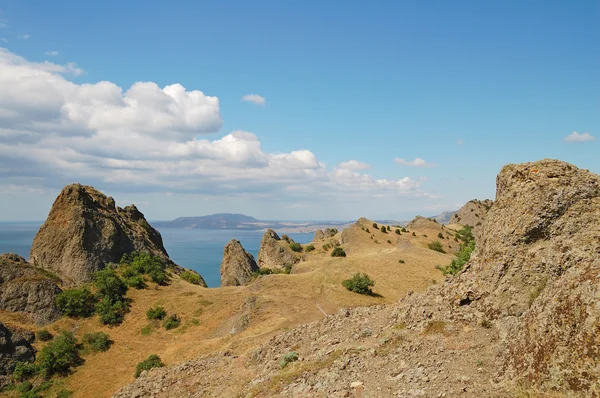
{"x": 85, "y": 231}
{"x": 237, "y": 265}
{"x": 472, "y": 213}
{"x": 15, "y": 346}
{"x": 27, "y": 290}
{"x": 275, "y": 252}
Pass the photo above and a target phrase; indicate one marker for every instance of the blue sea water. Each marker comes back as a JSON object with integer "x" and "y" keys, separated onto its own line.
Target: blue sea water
{"x": 197, "y": 249}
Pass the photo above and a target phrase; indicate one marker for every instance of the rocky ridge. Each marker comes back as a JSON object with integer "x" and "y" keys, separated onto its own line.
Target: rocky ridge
{"x": 237, "y": 265}
{"x": 27, "y": 290}
{"x": 523, "y": 312}
{"x": 472, "y": 213}
{"x": 275, "y": 252}
{"x": 85, "y": 231}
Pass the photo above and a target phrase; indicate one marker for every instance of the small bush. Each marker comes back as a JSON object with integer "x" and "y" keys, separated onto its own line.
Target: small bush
{"x": 338, "y": 252}
{"x": 383, "y": 229}
{"x": 25, "y": 387}
{"x": 97, "y": 342}
{"x": 143, "y": 263}
{"x": 310, "y": 248}
{"x": 397, "y": 232}
{"x": 440, "y": 235}
{"x": 191, "y": 277}
{"x": 24, "y": 371}
{"x": 413, "y": 234}
{"x": 156, "y": 313}
{"x": 389, "y": 241}
{"x": 76, "y": 302}
{"x": 287, "y": 269}
{"x": 297, "y": 247}
{"x": 401, "y": 261}
{"x": 171, "y": 322}
{"x": 425, "y": 236}
{"x": 288, "y": 358}
{"x": 59, "y": 356}
{"x": 404, "y": 229}
{"x": 375, "y": 225}
{"x": 326, "y": 246}
{"x": 64, "y": 394}
{"x": 109, "y": 284}
{"x": 462, "y": 257}
{"x": 136, "y": 282}
{"x": 111, "y": 313}
{"x": 436, "y": 246}
{"x": 44, "y": 335}
{"x": 367, "y": 231}
{"x": 360, "y": 283}
{"x": 153, "y": 361}
{"x": 388, "y": 228}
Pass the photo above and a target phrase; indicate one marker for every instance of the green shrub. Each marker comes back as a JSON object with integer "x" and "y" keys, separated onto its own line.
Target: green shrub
{"x": 143, "y": 263}
{"x": 25, "y": 370}
{"x": 359, "y": 283}
{"x": 388, "y": 228}
{"x": 171, "y": 322}
{"x": 465, "y": 234}
{"x": 389, "y": 241}
{"x": 111, "y": 312}
{"x": 440, "y": 235}
{"x": 44, "y": 335}
{"x": 135, "y": 281}
{"x": 326, "y": 246}
{"x": 462, "y": 257}
{"x": 25, "y": 387}
{"x": 64, "y": 394}
{"x": 413, "y": 234}
{"x": 375, "y": 225}
{"x": 338, "y": 252}
{"x": 156, "y": 313}
{"x": 401, "y": 261}
{"x": 367, "y": 231}
{"x": 59, "y": 356}
{"x": 97, "y": 342}
{"x": 310, "y": 248}
{"x": 297, "y": 247}
{"x": 436, "y": 246}
{"x": 76, "y": 302}
{"x": 191, "y": 277}
{"x": 404, "y": 229}
{"x": 288, "y": 358}
{"x": 153, "y": 361}
{"x": 287, "y": 269}
{"x": 383, "y": 229}
{"x": 424, "y": 235}
{"x": 397, "y": 232}
{"x": 109, "y": 284}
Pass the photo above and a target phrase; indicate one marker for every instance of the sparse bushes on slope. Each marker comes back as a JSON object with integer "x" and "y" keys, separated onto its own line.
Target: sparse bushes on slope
{"x": 397, "y": 232}
{"x": 97, "y": 342}
{"x": 288, "y": 358}
{"x": 76, "y": 302}
{"x": 383, "y": 229}
{"x": 375, "y": 225}
{"x": 464, "y": 253}
{"x": 143, "y": 263}
{"x": 24, "y": 371}
{"x": 359, "y": 283}
{"x": 440, "y": 235}
{"x": 44, "y": 335}
{"x": 171, "y": 322}
{"x": 338, "y": 252}
{"x": 297, "y": 247}
{"x": 153, "y": 361}
{"x": 156, "y": 313}
{"x": 59, "y": 356}
{"x": 436, "y": 246}
{"x": 191, "y": 277}
{"x": 310, "y": 248}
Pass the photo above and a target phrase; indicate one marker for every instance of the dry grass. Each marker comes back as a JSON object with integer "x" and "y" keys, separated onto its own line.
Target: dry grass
{"x": 282, "y": 301}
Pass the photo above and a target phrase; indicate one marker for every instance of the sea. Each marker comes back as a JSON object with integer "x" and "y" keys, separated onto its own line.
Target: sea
{"x": 197, "y": 249}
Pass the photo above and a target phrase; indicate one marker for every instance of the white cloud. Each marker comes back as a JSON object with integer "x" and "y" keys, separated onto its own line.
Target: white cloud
{"x": 24, "y": 36}
{"x": 52, "y": 53}
{"x": 148, "y": 139}
{"x": 254, "y": 98}
{"x": 354, "y": 165}
{"x": 418, "y": 162}
{"x": 576, "y": 137}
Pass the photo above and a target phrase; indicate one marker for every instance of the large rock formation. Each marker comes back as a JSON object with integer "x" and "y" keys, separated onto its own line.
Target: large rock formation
{"x": 274, "y": 252}
{"x": 85, "y": 231}
{"x": 237, "y": 265}
{"x": 27, "y": 290}
{"x": 320, "y": 234}
{"x": 536, "y": 274}
{"x": 15, "y": 346}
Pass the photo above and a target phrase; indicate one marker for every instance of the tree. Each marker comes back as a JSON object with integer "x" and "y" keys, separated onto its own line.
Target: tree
{"x": 383, "y": 229}
{"x": 359, "y": 283}
{"x": 76, "y": 302}
{"x": 59, "y": 355}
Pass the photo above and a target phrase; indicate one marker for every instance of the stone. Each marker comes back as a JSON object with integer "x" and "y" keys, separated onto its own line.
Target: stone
{"x": 237, "y": 265}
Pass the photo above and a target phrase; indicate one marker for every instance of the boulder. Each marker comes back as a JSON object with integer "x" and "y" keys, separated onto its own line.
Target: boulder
{"x": 85, "y": 231}
{"x": 27, "y": 290}
{"x": 274, "y": 252}
{"x": 15, "y": 346}
{"x": 237, "y": 265}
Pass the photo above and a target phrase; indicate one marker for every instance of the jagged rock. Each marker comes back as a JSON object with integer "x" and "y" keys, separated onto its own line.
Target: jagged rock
{"x": 237, "y": 265}
{"x": 472, "y": 213}
{"x": 27, "y": 290}
{"x": 15, "y": 346}
{"x": 85, "y": 231}
{"x": 274, "y": 252}
{"x": 319, "y": 236}
{"x": 536, "y": 274}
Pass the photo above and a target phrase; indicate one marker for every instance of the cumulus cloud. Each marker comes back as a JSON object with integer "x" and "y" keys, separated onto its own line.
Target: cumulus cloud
{"x": 354, "y": 165}
{"x": 24, "y": 36}
{"x": 418, "y": 162}
{"x": 576, "y": 137}
{"x": 52, "y": 53}
{"x": 254, "y": 98}
{"x": 149, "y": 139}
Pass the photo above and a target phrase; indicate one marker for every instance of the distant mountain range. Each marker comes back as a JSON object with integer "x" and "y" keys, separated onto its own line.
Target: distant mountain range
{"x": 241, "y": 221}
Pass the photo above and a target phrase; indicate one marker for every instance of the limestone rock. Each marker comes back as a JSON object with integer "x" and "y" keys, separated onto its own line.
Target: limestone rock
{"x": 27, "y": 290}
{"x": 274, "y": 252}
{"x": 237, "y": 265}
{"x": 85, "y": 231}
{"x": 15, "y": 346}
{"x": 472, "y": 213}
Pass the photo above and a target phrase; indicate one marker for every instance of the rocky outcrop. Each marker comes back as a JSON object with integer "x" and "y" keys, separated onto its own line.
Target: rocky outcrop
{"x": 320, "y": 234}
{"x": 237, "y": 265}
{"x": 535, "y": 274}
{"x": 274, "y": 252}
{"x": 423, "y": 222}
{"x": 85, "y": 231}
{"x": 15, "y": 346}
{"x": 27, "y": 290}
{"x": 472, "y": 213}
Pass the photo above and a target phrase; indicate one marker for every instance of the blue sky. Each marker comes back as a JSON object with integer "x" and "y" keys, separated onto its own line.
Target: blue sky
{"x": 468, "y": 86}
